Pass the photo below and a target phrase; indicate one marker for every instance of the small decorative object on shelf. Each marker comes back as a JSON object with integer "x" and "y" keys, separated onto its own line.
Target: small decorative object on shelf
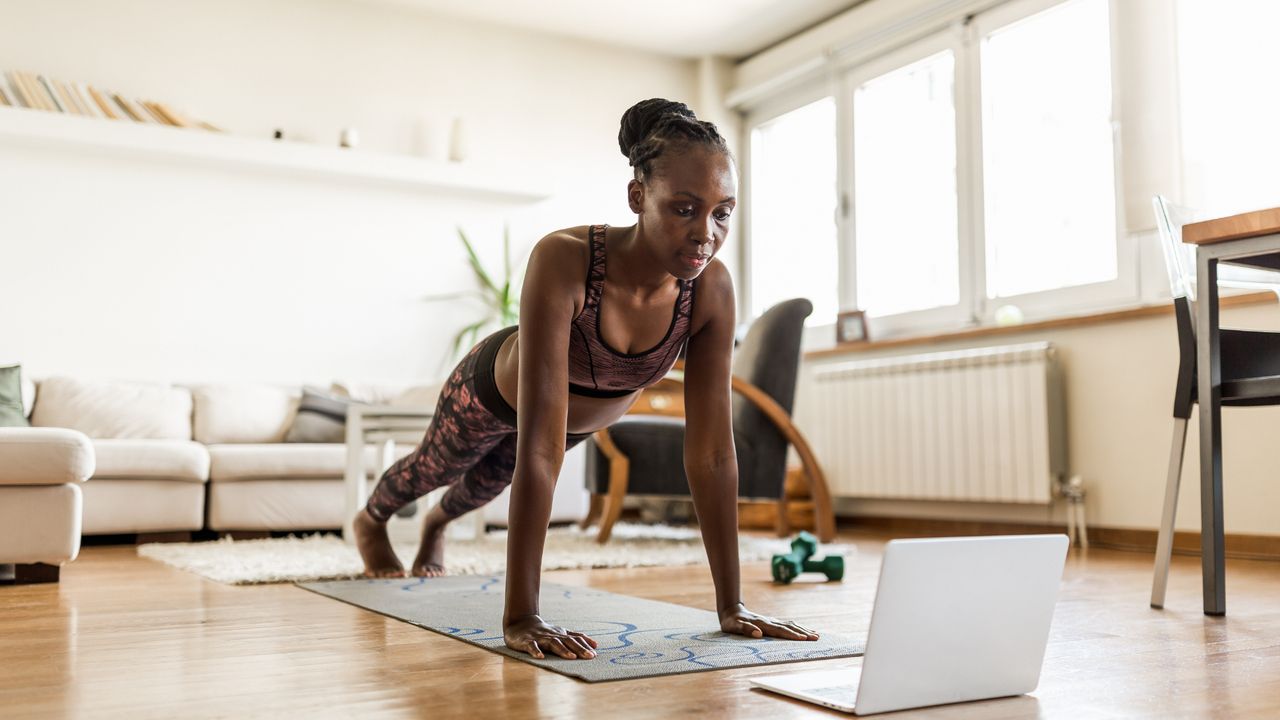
{"x": 278, "y": 134}
{"x": 348, "y": 138}
{"x": 851, "y": 327}
{"x": 458, "y": 149}
{"x": 1008, "y": 315}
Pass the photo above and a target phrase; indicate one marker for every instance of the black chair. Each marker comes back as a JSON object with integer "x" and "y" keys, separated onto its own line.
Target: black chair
{"x": 644, "y": 454}
{"x": 1250, "y": 366}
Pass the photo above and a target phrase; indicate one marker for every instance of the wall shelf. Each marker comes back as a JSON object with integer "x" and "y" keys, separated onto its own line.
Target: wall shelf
{"x": 161, "y": 142}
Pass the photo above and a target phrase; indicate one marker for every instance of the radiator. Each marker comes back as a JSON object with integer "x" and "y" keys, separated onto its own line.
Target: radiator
{"x": 982, "y": 425}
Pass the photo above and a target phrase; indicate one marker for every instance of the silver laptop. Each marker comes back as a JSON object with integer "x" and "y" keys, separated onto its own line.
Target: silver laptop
{"x": 955, "y": 619}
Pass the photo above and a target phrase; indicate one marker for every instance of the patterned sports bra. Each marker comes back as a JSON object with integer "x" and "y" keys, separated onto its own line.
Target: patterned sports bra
{"x": 597, "y": 370}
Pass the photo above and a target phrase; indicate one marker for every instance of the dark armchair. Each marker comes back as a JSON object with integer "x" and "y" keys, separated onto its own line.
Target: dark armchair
{"x": 644, "y": 454}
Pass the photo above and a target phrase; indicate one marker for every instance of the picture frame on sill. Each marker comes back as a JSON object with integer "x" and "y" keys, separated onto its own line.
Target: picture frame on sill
{"x": 851, "y": 327}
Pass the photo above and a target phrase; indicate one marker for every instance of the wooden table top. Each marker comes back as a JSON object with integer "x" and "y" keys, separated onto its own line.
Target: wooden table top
{"x": 1236, "y": 227}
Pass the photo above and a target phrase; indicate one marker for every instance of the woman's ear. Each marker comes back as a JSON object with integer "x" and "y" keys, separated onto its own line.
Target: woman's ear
{"x": 635, "y": 196}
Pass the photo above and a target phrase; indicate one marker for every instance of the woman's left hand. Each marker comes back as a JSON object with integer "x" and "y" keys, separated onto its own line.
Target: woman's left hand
{"x": 741, "y": 621}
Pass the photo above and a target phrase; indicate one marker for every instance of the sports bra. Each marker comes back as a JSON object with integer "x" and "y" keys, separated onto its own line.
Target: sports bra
{"x": 597, "y": 370}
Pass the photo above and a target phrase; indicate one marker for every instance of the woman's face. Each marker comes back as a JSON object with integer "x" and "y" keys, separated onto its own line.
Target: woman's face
{"x": 685, "y": 207}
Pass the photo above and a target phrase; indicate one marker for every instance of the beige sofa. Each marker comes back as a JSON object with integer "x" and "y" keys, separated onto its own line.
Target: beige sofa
{"x": 41, "y": 470}
{"x": 183, "y": 458}
{"x": 175, "y": 458}
{"x": 40, "y": 502}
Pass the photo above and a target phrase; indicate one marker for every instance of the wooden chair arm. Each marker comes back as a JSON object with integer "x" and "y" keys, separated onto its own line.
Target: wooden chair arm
{"x": 619, "y": 470}
{"x": 824, "y": 515}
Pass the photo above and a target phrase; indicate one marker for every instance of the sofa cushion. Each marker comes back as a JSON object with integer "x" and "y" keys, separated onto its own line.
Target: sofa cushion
{"x": 321, "y": 418}
{"x": 114, "y": 409}
{"x": 40, "y": 524}
{"x": 243, "y": 413}
{"x": 241, "y": 461}
{"x": 12, "y": 413}
{"x": 151, "y": 459}
{"x": 141, "y": 506}
{"x": 384, "y": 394}
{"x": 44, "y": 456}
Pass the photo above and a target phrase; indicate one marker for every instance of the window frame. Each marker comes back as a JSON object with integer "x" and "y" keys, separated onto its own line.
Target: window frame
{"x": 1041, "y": 304}
{"x": 766, "y": 112}
{"x": 917, "y": 320}
{"x": 963, "y": 37}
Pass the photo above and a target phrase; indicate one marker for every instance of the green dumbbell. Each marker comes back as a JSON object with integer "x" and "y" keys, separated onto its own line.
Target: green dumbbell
{"x": 787, "y": 567}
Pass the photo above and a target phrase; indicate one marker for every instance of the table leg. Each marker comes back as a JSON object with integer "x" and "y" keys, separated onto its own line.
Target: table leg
{"x": 1209, "y": 397}
{"x": 355, "y": 488}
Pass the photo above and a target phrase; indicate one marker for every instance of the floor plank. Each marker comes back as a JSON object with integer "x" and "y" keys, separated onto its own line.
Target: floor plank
{"x": 122, "y": 635}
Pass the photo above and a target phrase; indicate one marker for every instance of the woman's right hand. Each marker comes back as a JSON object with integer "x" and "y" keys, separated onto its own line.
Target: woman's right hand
{"x": 530, "y": 634}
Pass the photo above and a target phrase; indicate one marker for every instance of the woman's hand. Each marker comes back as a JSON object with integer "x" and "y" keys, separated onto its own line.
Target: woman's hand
{"x": 741, "y": 621}
{"x": 530, "y": 634}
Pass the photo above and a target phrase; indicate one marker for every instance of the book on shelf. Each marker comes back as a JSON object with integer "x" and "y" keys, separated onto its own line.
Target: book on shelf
{"x": 82, "y": 97}
{"x": 19, "y": 88}
{"x": 104, "y": 104}
{"x": 134, "y": 112}
{"x": 150, "y": 112}
{"x": 64, "y": 96}
{"x": 175, "y": 118}
{"x": 34, "y": 99}
{"x": 52, "y": 95}
{"x": 15, "y": 91}
{"x": 39, "y": 92}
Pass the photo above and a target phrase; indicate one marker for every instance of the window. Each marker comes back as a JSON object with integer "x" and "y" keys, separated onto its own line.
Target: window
{"x": 904, "y": 160}
{"x": 1047, "y": 155}
{"x": 793, "y": 249}
{"x": 1227, "y": 60}
{"x": 974, "y": 168}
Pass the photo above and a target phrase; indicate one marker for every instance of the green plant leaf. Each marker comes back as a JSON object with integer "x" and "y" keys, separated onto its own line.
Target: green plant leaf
{"x": 475, "y": 263}
{"x": 473, "y": 329}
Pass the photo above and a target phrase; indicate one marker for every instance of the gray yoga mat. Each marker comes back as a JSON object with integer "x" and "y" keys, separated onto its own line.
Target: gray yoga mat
{"x": 637, "y": 637}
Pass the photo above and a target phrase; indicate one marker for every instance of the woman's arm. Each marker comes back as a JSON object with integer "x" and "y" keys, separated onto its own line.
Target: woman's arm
{"x": 547, "y": 306}
{"x": 710, "y": 459}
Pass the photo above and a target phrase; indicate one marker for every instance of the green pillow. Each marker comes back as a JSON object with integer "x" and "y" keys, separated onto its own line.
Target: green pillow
{"x": 11, "y": 414}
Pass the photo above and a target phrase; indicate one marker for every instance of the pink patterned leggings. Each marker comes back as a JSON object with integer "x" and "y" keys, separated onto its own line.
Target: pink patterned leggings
{"x": 470, "y": 444}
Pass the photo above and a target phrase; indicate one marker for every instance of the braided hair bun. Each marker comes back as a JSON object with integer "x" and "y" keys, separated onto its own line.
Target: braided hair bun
{"x": 652, "y": 126}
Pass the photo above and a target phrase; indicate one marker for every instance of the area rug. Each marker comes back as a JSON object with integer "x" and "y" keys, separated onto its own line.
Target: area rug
{"x": 327, "y": 557}
{"x": 637, "y": 637}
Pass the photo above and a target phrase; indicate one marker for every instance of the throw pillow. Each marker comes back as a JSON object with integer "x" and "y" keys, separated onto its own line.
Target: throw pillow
{"x": 11, "y": 413}
{"x": 321, "y": 418}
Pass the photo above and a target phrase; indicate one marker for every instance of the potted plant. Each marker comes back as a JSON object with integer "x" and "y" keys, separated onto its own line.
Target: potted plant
{"x": 499, "y": 295}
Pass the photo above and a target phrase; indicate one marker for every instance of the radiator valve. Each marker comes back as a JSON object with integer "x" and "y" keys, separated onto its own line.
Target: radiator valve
{"x": 1072, "y": 489}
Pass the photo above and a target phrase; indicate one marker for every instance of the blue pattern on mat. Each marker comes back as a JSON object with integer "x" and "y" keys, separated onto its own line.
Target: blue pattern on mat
{"x": 656, "y": 638}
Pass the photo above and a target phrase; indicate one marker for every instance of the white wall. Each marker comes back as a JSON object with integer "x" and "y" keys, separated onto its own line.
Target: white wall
{"x": 136, "y": 268}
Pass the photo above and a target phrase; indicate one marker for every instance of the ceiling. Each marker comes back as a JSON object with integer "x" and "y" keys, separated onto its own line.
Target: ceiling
{"x": 684, "y": 28}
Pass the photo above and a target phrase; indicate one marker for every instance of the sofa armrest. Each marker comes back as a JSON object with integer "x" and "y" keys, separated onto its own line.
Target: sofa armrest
{"x": 44, "y": 456}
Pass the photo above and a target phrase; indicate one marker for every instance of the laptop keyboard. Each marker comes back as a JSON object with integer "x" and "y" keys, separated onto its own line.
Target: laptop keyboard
{"x": 843, "y": 694}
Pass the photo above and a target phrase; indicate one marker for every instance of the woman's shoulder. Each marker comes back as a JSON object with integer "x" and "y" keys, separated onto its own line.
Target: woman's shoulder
{"x": 565, "y": 253}
{"x": 566, "y": 245}
{"x": 713, "y": 290}
{"x": 715, "y": 280}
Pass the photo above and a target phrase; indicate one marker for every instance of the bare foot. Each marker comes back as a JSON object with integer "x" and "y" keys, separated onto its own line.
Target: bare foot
{"x": 430, "y": 560}
{"x": 380, "y": 560}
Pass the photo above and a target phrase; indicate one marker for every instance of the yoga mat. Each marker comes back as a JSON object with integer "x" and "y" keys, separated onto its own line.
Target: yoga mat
{"x": 637, "y": 637}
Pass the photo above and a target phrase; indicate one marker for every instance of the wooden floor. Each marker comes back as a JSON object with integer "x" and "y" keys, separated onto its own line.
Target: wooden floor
{"x": 124, "y": 636}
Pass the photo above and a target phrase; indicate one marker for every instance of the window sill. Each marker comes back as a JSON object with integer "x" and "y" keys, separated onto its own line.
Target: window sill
{"x": 1252, "y": 298}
